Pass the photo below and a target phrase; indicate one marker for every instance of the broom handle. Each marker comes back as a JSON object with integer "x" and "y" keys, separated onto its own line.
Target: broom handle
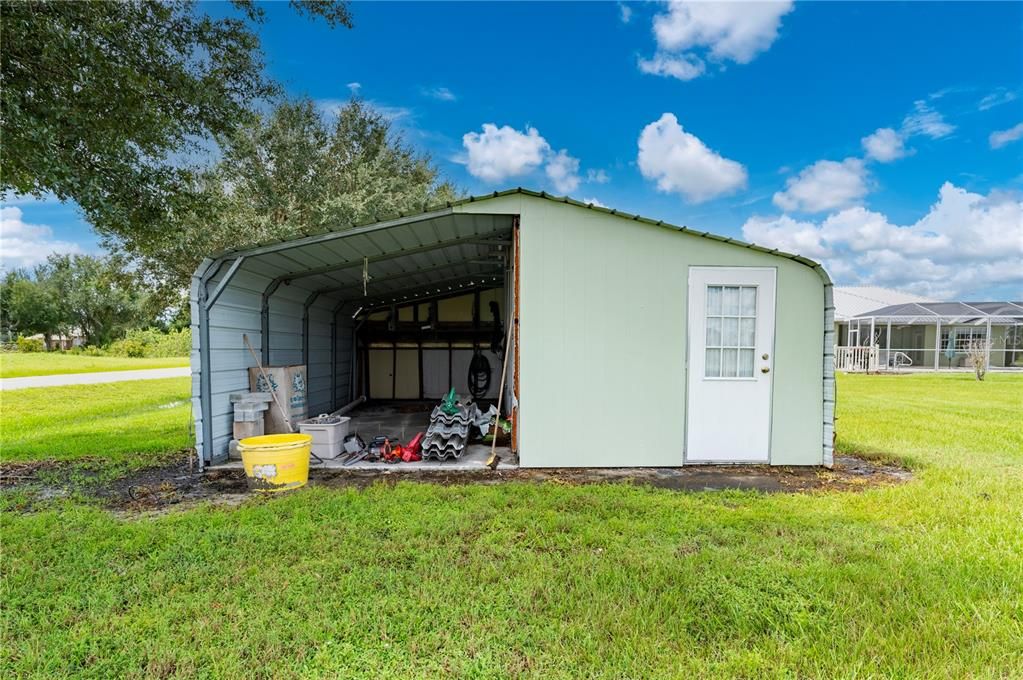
{"x": 504, "y": 373}
{"x": 266, "y": 379}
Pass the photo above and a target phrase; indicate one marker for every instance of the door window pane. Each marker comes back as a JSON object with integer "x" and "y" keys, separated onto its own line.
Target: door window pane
{"x": 730, "y": 301}
{"x": 713, "y": 363}
{"x": 713, "y": 331}
{"x": 731, "y": 332}
{"x": 729, "y": 359}
{"x": 745, "y": 363}
{"x": 748, "y": 301}
{"x": 713, "y": 300}
{"x": 747, "y": 332}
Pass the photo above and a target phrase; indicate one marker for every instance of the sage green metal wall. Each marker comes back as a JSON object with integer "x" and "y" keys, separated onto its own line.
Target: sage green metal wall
{"x": 603, "y": 339}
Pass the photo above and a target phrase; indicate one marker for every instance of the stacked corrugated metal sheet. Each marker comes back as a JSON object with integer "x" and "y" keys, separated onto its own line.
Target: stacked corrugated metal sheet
{"x": 448, "y": 432}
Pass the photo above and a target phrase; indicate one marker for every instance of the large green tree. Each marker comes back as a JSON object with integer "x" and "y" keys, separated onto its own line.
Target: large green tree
{"x": 290, "y": 172}
{"x": 29, "y": 305}
{"x": 99, "y": 296}
{"x": 102, "y": 102}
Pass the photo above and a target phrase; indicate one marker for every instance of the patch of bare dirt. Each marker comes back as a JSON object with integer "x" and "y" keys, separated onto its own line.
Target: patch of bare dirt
{"x": 177, "y": 484}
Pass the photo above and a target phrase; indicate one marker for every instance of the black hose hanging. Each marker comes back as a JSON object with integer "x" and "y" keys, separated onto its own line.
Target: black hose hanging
{"x": 479, "y": 375}
{"x": 497, "y": 331}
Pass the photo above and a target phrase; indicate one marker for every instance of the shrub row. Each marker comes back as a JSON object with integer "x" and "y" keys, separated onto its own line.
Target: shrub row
{"x": 151, "y": 342}
{"x": 148, "y": 342}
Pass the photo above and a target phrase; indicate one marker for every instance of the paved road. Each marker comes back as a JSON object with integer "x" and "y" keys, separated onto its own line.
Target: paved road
{"x": 92, "y": 378}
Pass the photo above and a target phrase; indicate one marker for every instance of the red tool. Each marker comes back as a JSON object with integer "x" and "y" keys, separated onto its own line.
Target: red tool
{"x": 412, "y": 450}
{"x": 416, "y": 445}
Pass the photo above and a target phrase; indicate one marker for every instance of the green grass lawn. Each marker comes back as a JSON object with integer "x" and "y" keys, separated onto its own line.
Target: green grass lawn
{"x": 20, "y": 365}
{"x": 923, "y": 579}
{"x": 127, "y": 423}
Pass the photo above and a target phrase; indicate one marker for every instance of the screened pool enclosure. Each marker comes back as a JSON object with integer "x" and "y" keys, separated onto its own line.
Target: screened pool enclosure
{"x": 932, "y": 336}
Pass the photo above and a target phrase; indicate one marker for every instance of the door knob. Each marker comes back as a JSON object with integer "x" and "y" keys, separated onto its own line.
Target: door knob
{"x": 765, "y": 369}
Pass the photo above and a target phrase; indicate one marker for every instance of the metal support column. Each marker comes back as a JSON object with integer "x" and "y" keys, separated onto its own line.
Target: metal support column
{"x": 264, "y": 320}
{"x": 987, "y": 347}
{"x": 937, "y": 344}
{"x": 888, "y": 345}
{"x": 333, "y": 354}
{"x": 305, "y": 328}
{"x": 352, "y": 386}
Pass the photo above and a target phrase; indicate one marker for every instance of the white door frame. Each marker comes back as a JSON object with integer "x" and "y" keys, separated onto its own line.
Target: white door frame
{"x": 688, "y": 364}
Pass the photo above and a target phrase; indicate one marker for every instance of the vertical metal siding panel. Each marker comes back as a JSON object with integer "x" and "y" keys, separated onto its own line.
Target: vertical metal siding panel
{"x": 344, "y": 357}
{"x": 286, "y": 309}
{"x": 319, "y": 357}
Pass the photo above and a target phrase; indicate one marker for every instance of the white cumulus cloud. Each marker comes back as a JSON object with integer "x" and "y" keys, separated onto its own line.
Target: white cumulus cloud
{"x": 967, "y": 243}
{"x": 825, "y": 185}
{"x": 563, "y": 171}
{"x": 884, "y": 145}
{"x": 1000, "y": 138}
{"x": 23, "y": 244}
{"x": 597, "y": 176}
{"x": 679, "y": 162}
{"x": 499, "y": 153}
{"x": 688, "y": 32}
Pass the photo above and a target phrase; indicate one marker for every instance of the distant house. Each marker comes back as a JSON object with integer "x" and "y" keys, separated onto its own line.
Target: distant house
{"x": 879, "y": 328}
{"x": 75, "y": 338}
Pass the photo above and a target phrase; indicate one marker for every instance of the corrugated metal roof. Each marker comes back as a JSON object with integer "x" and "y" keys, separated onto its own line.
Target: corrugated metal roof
{"x": 953, "y": 312}
{"x": 447, "y": 209}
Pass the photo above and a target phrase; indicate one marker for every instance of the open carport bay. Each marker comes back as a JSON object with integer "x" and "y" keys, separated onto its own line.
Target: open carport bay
{"x": 393, "y": 310}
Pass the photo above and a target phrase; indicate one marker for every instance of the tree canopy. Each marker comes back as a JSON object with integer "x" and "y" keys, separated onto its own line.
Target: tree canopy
{"x": 98, "y": 296}
{"x": 292, "y": 172}
{"x": 100, "y": 101}
{"x": 148, "y": 115}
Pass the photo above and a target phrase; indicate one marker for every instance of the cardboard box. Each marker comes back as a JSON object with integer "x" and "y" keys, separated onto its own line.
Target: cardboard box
{"x": 290, "y": 385}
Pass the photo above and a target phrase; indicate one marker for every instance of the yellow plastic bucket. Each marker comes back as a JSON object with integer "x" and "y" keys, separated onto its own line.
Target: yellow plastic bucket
{"x": 276, "y": 462}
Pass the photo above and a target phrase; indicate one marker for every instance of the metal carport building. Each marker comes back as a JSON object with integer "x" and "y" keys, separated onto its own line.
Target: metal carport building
{"x": 637, "y": 343}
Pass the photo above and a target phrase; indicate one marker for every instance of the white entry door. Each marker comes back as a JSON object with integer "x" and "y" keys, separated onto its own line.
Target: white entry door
{"x": 731, "y": 364}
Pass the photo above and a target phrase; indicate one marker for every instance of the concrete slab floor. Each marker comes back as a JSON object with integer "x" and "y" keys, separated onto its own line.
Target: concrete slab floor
{"x": 401, "y": 420}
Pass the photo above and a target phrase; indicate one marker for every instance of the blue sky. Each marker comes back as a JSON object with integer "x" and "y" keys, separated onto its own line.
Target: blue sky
{"x": 753, "y": 121}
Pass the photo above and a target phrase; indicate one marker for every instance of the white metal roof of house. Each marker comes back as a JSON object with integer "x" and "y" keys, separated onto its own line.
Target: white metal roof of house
{"x": 1006, "y": 312}
{"x": 854, "y": 301}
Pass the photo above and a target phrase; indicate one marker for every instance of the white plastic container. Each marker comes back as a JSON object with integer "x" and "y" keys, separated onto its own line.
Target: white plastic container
{"x": 328, "y": 433}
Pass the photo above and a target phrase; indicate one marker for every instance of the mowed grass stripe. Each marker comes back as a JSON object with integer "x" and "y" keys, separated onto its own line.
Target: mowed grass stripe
{"x": 112, "y": 421}
{"x": 21, "y": 365}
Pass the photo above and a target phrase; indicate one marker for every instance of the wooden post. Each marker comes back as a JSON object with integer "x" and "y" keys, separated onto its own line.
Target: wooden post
{"x": 937, "y": 344}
